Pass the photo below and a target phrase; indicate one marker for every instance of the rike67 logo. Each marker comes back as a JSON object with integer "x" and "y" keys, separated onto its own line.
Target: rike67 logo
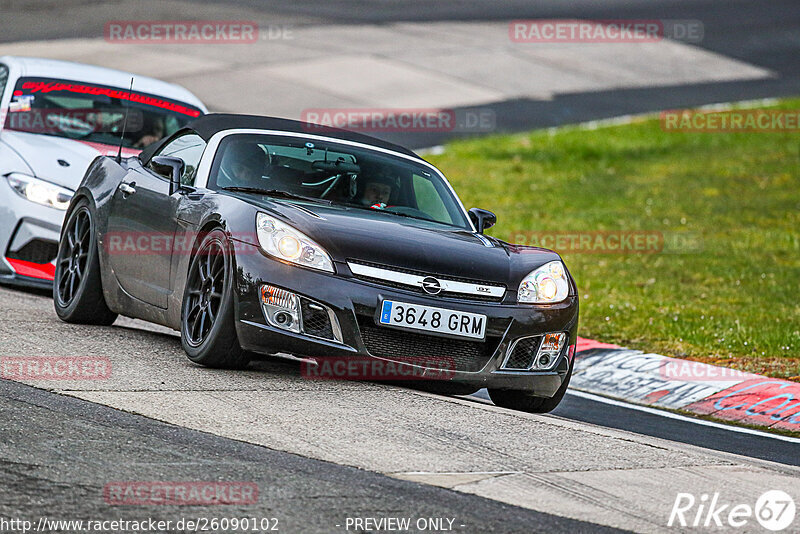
{"x": 774, "y": 510}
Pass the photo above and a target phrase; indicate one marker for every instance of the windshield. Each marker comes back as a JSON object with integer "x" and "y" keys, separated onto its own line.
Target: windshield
{"x": 94, "y": 113}
{"x": 335, "y": 174}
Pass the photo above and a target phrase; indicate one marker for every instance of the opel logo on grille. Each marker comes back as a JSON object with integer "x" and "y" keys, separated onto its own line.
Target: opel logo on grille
{"x": 431, "y": 285}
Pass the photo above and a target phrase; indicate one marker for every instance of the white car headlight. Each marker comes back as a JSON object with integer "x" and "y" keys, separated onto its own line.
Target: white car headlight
{"x": 39, "y": 191}
{"x": 284, "y": 242}
{"x": 546, "y": 285}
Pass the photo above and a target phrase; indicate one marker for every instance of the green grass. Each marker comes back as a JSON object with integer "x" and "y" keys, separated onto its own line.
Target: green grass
{"x": 732, "y": 297}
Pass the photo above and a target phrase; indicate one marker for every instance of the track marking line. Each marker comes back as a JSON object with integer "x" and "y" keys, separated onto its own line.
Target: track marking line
{"x": 670, "y": 415}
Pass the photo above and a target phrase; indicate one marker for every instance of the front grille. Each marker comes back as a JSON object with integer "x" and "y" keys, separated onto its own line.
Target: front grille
{"x": 419, "y": 290}
{"x": 404, "y": 346}
{"x": 316, "y": 321}
{"x": 36, "y": 251}
{"x": 524, "y": 352}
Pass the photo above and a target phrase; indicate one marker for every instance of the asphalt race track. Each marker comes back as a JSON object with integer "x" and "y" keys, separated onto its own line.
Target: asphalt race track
{"x": 72, "y": 448}
{"x": 322, "y": 451}
{"x": 757, "y": 35}
{"x": 756, "y": 445}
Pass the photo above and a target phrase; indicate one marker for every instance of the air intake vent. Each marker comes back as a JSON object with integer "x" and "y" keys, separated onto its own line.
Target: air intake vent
{"x": 36, "y": 251}
{"x": 523, "y": 354}
{"x": 400, "y": 346}
{"x": 316, "y": 321}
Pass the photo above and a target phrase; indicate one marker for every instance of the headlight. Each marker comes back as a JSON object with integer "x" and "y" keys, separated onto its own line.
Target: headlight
{"x": 546, "y": 285}
{"x": 39, "y": 191}
{"x": 284, "y": 242}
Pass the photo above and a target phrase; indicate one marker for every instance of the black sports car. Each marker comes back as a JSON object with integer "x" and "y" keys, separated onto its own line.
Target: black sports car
{"x": 255, "y": 235}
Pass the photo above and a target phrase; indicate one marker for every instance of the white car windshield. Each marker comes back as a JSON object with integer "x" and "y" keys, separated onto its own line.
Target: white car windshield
{"x": 94, "y": 113}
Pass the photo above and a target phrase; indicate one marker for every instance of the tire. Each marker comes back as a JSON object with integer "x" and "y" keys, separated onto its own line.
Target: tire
{"x": 78, "y": 288}
{"x": 208, "y": 332}
{"x": 523, "y": 401}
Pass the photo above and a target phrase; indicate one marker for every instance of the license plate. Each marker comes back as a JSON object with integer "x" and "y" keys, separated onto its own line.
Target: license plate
{"x": 430, "y": 319}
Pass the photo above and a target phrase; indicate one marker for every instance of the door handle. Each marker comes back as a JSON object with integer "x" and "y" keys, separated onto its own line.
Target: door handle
{"x": 127, "y": 189}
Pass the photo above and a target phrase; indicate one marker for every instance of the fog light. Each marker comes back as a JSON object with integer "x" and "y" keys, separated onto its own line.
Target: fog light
{"x": 551, "y": 346}
{"x": 281, "y": 308}
{"x": 282, "y": 318}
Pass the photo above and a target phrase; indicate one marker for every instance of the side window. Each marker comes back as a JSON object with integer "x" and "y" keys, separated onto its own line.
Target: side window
{"x": 3, "y": 79}
{"x": 189, "y": 148}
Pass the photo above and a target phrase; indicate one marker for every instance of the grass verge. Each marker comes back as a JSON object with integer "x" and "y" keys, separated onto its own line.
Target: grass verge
{"x": 723, "y": 284}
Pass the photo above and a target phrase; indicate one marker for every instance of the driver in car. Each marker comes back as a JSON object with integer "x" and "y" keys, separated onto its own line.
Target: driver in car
{"x": 378, "y": 189}
{"x": 152, "y": 131}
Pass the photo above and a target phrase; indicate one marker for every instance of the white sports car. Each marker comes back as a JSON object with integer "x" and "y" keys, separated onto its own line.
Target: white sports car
{"x": 55, "y": 118}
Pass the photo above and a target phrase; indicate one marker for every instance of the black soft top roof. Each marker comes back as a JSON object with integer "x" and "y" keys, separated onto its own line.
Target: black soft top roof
{"x": 208, "y": 125}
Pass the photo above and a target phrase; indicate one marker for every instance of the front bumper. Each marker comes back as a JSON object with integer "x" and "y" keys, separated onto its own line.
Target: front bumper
{"x": 29, "y": 235}
{"x": 355, "y": 302}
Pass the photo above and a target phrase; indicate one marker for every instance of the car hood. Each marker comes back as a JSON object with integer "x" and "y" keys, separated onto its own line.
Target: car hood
{"x": 43, "y": 152}
{"x": 367, "y": 236}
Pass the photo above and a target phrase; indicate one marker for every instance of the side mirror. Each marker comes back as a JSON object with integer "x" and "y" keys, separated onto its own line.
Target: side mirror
{"x": 170, "y": 168}
{"x": 482, "y": 219}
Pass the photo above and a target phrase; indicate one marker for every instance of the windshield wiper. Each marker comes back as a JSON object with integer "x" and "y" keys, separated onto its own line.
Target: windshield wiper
{"x": 275, "y": 193}
{"x": 407, "y": 216}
